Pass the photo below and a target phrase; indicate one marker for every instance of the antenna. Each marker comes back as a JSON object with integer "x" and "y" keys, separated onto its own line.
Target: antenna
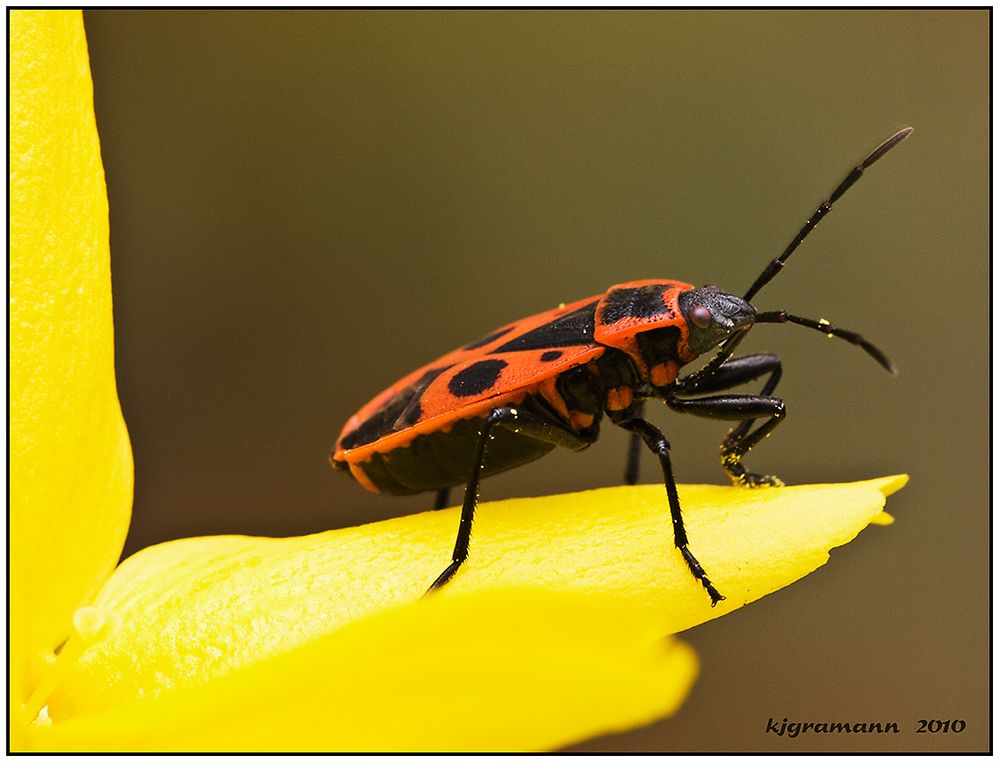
{"x": 774, "y": 267}
{"x": 780, "y": 316}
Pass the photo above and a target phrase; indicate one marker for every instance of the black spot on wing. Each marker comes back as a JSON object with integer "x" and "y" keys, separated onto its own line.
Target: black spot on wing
{"x": 401, "y": 411}
{"x": 410, "y": 415}
{"x": 550, "y": 355}
{"x": 568, "y": 330}
{"x": 487, "y": 339}
{"x": 477, "y": 378}
{"x": 635, "y": 302}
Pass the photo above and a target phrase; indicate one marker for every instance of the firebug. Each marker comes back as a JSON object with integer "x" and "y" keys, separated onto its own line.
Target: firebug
{"x": 548, "y": 380}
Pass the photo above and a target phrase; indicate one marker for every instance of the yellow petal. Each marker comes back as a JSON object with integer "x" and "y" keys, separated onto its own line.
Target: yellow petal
{"x": 500, "y": 670}
{"x": 199, "y": 608}
{"x": 71, "y": 465}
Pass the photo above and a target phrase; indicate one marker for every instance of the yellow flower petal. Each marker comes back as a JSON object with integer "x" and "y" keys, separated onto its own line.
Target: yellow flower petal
{"x": 71, "y": 465}
{"x": 499, "y": 670}
{"x": 319, "y": 643}
{"x": 200, "y": 608}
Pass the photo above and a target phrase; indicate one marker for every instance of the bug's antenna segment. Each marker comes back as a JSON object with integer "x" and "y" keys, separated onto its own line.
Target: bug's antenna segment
{"x": 775, "y": 266}
{"x": 780, "y": 316}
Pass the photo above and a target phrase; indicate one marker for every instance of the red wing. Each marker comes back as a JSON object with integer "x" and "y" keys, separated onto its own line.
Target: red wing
{"x": 500, "y": 367}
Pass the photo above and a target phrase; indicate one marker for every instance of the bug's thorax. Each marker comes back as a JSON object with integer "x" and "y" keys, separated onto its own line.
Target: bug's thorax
{"x": 653, "y": 328}
{"x": 644, "y": 320}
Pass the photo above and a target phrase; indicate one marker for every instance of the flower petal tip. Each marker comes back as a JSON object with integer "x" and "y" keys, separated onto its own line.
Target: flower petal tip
{"x": 889, "y": 485}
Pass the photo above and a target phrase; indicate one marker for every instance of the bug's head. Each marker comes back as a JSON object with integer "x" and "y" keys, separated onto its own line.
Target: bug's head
{"x": 713, "y": 315}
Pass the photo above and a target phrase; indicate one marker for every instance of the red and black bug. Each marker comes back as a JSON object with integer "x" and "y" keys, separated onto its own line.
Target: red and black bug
{"x": 547, "y": 380}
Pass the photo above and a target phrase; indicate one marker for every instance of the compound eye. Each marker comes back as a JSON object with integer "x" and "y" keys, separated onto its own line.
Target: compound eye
{"x": 701, "y": 316}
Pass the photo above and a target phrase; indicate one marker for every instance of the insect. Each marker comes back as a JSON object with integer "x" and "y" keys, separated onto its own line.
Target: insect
{"x": 546, "y": 381}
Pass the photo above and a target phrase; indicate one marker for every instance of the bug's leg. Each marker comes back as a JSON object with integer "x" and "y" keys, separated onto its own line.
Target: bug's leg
{"x": 656, "y": 442}
{"x": 743, "y": 408}
{"x": 730, "y": 374}
{"x": 525, "y": 423}
{"x": 634, "y": 445}
{"x": 734, "y": 372}
{"x": 442, "y": 498}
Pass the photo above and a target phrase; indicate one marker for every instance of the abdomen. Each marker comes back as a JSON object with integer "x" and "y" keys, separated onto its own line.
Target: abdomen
{"x": 444, "y": 459}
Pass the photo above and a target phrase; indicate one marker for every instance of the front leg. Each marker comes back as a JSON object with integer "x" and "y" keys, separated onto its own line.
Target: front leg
{"x": 738, "y": 441}
{"x": 732, "y": 373}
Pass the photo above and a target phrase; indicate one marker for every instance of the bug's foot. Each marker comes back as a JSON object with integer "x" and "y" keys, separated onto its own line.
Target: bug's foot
{"x": 713, "y": 594}
{"x": 752, "y": 479}
{"x": 741, "y": 477}
{"x": 700, "y": 576}
{"x": 443, "y": 578}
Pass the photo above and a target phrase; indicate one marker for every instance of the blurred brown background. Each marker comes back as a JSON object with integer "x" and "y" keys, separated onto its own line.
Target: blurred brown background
{"x": 307, "y": 205}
